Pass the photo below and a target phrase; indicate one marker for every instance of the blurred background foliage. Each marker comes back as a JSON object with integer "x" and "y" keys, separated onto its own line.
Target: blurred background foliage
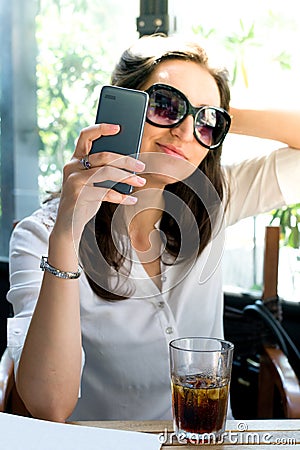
{"x": 75, "y": 58}
{"x": 240, "y": 45}
{"x": 289, "y": 220}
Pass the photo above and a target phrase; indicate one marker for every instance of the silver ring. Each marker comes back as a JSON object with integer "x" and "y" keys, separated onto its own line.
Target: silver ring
{"x": 85, "y": 162}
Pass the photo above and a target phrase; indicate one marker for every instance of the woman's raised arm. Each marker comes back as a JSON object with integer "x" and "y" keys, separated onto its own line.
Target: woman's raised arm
{"x": 279, "y": 125}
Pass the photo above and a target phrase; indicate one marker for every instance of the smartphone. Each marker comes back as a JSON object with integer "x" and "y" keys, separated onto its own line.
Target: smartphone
{"x": 127, "y": 108}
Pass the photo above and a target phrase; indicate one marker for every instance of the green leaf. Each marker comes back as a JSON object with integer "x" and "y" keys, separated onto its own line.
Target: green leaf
{"x": 289, "y": 218}
{"x": 294, "y": 238}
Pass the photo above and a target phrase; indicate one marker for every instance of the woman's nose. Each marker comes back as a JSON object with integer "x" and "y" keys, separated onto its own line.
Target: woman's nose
{"x": 185, "y": 130}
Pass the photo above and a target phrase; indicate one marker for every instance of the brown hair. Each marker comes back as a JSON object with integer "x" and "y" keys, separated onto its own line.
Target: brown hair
{"x": 132, "y": 71}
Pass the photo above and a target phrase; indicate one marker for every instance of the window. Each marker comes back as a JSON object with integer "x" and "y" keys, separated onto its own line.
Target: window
{"x": 72, "y": 65}
{"x": 66, "y": 49}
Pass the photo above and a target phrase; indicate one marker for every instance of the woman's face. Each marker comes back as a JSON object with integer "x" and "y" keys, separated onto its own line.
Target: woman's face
{"x": 172, "y": 154}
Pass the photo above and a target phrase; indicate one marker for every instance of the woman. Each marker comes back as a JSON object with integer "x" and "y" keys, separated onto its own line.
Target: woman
{"x": 150, "y": 260}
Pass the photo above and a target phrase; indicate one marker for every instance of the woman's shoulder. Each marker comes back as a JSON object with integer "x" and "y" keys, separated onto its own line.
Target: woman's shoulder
{"x": 42, "y": 219}
{"x": 47, "y": 213}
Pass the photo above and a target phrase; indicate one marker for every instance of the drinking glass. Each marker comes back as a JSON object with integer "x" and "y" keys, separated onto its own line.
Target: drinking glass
{"x": 200, "y": 377}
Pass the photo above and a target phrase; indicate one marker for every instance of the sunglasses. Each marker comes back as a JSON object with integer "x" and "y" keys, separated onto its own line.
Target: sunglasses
{"x": 168, "y": 107}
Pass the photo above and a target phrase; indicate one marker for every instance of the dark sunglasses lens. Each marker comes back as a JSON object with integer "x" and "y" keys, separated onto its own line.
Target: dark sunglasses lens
{"x": 166, "y": 108}
{"x": 210, "y": 126}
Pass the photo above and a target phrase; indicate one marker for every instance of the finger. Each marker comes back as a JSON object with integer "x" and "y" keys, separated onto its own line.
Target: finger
{"x": 116, "y": 160}
{"x": 97, "y": 195}
{"x": 89, "y": 134}
{"x": 115, "y": 197}
{"x": 114, "y": 174}
{"x": 117, "y": 173}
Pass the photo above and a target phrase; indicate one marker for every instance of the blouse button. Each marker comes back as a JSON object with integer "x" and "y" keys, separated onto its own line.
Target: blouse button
{"x": 163, "y": 278}
{"x": 169, "y": 330}
{"x": 160, "y": 305}
{"x": 17, "y": 331}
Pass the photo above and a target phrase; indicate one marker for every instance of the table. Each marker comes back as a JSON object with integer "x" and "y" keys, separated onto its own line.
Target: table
{"x": 248, "y": 434}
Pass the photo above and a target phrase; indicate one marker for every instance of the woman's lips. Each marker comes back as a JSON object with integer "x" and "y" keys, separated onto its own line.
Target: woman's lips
{"x": 172, "y": 151}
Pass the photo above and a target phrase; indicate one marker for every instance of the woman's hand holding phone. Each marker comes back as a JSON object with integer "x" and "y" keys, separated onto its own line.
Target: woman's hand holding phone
{"x": 81, "y": 194}
{"x": 112, "y": 147}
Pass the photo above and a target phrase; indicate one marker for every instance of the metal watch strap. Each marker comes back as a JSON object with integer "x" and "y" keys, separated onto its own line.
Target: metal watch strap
{"x": 59, "y": 273}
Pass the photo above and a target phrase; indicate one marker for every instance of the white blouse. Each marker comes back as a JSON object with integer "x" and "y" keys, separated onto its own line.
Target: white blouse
{"x": 125, "y": 343}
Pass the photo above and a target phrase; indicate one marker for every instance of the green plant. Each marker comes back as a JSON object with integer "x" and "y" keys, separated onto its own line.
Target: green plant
{"x": 238, "y": 43}
{"x": 288, "y": 218}
{"x": 68, "y": 77}
{"x": 72, "y": 65}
